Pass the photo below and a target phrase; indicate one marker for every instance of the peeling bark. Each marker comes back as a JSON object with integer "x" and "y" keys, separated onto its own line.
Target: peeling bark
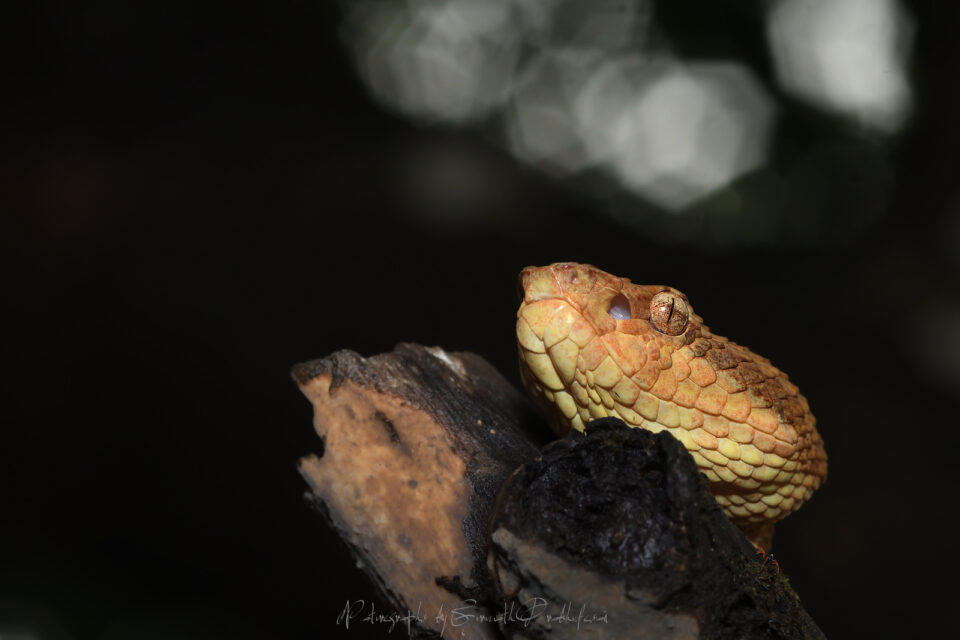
{"x": 416, "y": 444}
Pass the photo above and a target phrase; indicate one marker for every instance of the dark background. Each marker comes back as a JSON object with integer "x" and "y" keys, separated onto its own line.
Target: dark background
{"x": 196, "y": 198}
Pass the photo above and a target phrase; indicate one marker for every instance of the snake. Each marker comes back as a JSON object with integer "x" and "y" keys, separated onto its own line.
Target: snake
{"x": 593, "y": 345}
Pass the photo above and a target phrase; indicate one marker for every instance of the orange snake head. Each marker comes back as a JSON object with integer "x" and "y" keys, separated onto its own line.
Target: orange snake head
{"x": 594, "y": 345}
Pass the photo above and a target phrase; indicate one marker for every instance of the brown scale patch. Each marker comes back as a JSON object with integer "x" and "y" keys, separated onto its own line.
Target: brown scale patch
{"x": 730, "y": 382}
{"x": 701, "y": 347}
{"x": 787, "y": 406}
{"x": 792, "y": 410}
{"x": 751, "y": 374}
{"x": 721, "y": 358}
{"x": 770, "y": 391}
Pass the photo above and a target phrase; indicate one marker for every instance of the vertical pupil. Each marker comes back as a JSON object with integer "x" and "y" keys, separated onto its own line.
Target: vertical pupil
{"x": 668, "y": 309}
{"x": 620, "y": 307}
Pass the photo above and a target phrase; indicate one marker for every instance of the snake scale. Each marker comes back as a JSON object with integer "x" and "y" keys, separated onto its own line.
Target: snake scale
{"x": 594, "y": 345}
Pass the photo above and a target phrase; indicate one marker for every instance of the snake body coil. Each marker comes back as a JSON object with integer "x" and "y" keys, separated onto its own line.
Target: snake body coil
{"x": 594, "y": 345}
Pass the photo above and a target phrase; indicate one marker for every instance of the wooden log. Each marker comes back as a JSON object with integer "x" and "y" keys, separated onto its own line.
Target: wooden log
{"x": 416, "y": 444}
{"x": 432, "y": 469}
{"x": 617, "y": 532}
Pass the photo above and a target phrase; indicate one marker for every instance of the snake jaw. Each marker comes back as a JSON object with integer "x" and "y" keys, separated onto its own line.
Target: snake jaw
{"x": 583, "y": 357}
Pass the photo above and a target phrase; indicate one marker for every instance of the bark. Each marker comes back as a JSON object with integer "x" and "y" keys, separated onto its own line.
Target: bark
{"x": 617, "y": 531}
{"x": 437, "y": 473}
{"x": 416, "y": 444}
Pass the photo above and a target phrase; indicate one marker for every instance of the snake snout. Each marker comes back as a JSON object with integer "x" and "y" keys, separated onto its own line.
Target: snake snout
{"x": 538, "y": 283}
{"x": 520, "y": 284}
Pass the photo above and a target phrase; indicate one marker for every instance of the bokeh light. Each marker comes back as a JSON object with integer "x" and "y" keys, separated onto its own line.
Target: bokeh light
{"x": 848, "y": 56}
{"x": 684, "y": 132}
{"x": 444, "y": 61}
{"x": 597, "y": 94}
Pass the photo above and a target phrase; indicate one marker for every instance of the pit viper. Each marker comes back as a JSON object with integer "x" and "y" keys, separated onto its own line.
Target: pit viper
{"x": 594, "y": 345}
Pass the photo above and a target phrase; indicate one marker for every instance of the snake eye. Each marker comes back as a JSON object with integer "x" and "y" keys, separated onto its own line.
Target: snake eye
{"x": 669, "y": 313}
{"x": 620, "y": 308}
